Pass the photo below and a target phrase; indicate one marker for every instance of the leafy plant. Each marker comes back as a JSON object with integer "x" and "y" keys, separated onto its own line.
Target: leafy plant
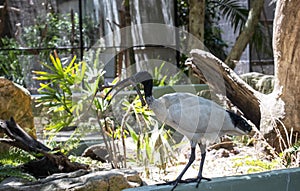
{"x": 233, "y": 12}
{"x": 69, "y": 95}
{"x": 94, "y": 79}
{"x": 256, "y": 165}
{"x": 288, "y": 151}
{"x": 9, "y": 171}
{"x": 14, "y": 157}
{"x": 153, "y": 143}
{"x": 50, "y": 31}
{"x": 56, "y": 90}
{"x": 94, "y": 164}
{"x": 161, "y": 79}
{"x": 291, "y": 156}
{"x": 288, "y": 144}
{"x": 64, "y": 80}
{"x": 10, "y": 162}
{"x": 10, "y": 66}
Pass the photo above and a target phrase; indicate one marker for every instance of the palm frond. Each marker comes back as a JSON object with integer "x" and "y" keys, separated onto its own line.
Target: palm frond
{"x": 232, "y": 11}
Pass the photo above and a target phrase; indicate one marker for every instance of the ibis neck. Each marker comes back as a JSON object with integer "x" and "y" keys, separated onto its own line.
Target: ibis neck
{"x": 148, "y": 86}
{"x": 239, "y": 122}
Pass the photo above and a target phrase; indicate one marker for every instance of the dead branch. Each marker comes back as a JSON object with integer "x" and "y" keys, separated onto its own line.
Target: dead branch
{"x": 47, "y": 162}
{"x": 19, "y": 138}
{"x": 213, "y": 71}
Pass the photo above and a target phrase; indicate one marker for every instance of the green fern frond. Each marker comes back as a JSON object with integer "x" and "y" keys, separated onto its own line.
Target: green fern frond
{"x": 15, "y": 157}
{"x": 10, "y": 171}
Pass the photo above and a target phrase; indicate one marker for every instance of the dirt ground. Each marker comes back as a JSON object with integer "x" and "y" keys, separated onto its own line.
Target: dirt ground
{"x": 231, "y": 160}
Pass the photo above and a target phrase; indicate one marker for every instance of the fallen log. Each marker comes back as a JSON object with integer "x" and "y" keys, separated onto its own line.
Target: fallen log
{"x": 47, "y": 161}
{"x": 222, "y": 80}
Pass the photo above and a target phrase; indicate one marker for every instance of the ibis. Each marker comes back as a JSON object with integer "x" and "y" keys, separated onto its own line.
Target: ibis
{"x": 201, "y": 120}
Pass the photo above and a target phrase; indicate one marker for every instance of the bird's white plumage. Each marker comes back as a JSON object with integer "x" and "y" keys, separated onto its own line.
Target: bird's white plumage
{"x": 199, "y": 119}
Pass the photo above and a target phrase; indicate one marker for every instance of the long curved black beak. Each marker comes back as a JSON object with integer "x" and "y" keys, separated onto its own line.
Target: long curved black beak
{"x": 134, "y": 80}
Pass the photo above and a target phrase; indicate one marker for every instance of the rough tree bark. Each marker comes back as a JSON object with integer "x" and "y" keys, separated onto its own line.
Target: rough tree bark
{"x": 126, "y": 55}
{"x": 196, "y": 18}
{"x": 217, "y": 75}
{"x": 196, "y": 27}
{"x": 286, "y": 45}
{"x": 3, "y": 16}
{"x": 246, "y": 35}
{"x": 48, "y": 161}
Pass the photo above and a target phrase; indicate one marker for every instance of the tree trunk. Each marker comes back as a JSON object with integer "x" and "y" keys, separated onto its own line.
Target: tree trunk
{"x": 222, "y": 80}
{"x": 127, "y": 53}
{"x": 247, "y": 33}
{"x": 286, "y": 44}
{"x": 196, "y": 18}
{"x": 196, "y": 27}
{"x": 3, "y": 17}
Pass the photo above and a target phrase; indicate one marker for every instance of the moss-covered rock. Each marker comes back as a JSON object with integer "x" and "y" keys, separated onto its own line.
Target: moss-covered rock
{"x": 260, "y": 82}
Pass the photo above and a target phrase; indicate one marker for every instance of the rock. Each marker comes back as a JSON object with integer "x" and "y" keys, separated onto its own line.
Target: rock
{"x": 97, "y": 152}
{"x": 235, "y": 151}
{"x": 81, "y": 180}
{"x": 225, "y": 145}
{"x": 260, "y": 82}
{"x": 100, "y": 152}
{"x": 223, "y": 153}
{"x": 15, "y": 101}
{"x": 13, "y": 181}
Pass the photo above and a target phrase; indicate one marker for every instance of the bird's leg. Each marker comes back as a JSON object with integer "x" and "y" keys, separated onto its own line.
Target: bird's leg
{"x": 191, "y": 160}
{"x": 203, "y": 154}
{"x": 199, "y": 177}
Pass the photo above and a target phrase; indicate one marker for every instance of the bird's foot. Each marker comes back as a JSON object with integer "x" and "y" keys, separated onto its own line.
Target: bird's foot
{"x": 189, "y": 180}
{"x": 198, "y": 180}
{"x": 174, "y": 183}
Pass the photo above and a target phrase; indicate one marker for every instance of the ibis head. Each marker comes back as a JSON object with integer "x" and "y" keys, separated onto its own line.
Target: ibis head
{"x": 141, "y": 77}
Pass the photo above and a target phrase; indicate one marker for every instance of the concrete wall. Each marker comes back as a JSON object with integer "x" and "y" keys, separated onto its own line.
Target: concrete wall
{"x": 277, "y": 180}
